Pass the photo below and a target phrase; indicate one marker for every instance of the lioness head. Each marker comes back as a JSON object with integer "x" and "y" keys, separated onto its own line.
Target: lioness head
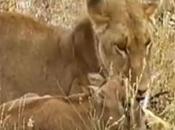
{"x": 123, "y": 31}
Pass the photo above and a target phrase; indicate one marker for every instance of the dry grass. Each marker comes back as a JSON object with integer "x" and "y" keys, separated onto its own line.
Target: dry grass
{"x": 65, "y": 13}
{"x": 56, "y": 12}
{"x": 162, "y": 65}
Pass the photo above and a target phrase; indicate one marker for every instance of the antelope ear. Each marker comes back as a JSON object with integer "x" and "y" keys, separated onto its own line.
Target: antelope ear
{"x": 96, "y": 11}
{"x": 97, "y": 93}
{"x": 95, "y": 79}
{"x": 150, "y": 8}
{"x": 93, "y": 89}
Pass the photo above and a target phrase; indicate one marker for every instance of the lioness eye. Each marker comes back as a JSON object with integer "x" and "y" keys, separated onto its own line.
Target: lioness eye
{"x": 148, "y": 42}
{"x": 119, "y": 50}
{"x": 120, "y": 44}
{"x": 148, "y": 46}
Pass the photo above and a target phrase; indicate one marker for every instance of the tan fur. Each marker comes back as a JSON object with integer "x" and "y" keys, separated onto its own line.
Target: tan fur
{"x": 43, "y": 59}
{"x": 122, "y": 27}
{"x": 74, "y": 112}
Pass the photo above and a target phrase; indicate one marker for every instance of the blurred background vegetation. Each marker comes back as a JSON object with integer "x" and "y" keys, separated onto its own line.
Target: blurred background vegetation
{"x": 55, "y": 12}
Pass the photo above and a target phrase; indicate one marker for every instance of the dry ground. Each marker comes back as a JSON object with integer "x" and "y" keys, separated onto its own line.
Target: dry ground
{"x": 66, "y": 12}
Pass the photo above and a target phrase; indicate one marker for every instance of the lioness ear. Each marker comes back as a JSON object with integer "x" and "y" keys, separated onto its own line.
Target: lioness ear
{"x": 83, "y": 38}
{"x": 96, "y": 11}
{"x": 150, "y": 8}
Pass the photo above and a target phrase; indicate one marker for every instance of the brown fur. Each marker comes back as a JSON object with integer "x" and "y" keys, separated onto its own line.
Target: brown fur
{"x": 122, "y": 27}
{"x": 41, "y": 59}
{"x": 74, "y": 112}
